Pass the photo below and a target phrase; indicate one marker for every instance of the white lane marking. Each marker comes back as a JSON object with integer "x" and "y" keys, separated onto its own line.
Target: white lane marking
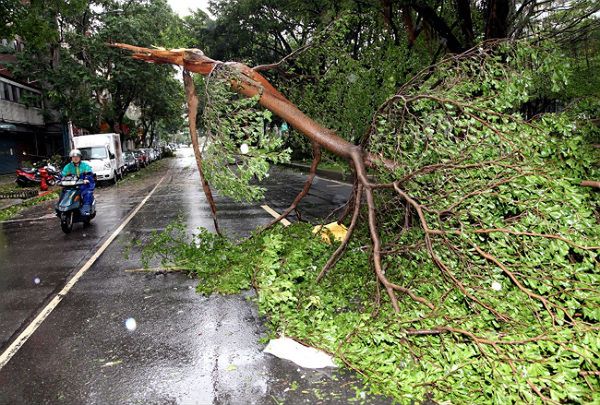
{"x": 341, "y": 183}
{"x": 32, "y": 327}
{"x": 274, "y": 213}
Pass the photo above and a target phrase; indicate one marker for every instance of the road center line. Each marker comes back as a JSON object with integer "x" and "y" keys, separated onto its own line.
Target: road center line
{"x": 41, "y": 317}
{"x": 274, "y": 213}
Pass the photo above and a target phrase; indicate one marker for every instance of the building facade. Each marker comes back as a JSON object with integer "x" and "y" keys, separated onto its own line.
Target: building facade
{"x": 25, "y": 133}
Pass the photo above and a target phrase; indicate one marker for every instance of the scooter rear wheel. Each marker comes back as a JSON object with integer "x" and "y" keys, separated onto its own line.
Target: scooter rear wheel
{"x": 66, "y": 222}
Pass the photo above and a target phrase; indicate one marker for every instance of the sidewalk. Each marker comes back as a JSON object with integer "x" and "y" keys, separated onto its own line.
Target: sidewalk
{"x": 8, "y": 202}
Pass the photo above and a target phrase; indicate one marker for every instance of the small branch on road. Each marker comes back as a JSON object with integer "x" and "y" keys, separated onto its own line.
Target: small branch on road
{"x": 159, "y": 270}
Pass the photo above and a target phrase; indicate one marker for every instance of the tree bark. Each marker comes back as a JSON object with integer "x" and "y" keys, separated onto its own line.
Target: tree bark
{"x": 463, "y": 8}
{"x": 388, "y": 18}
{"x": 250, "y": 83}
{"x": 192, "y": 101}
{"x": 590, "y": 183}
{"x": 497, "y": 12}
{"x": 440, "y": 26}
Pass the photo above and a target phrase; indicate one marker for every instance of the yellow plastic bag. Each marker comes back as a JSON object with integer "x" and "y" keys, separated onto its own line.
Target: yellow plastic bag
{"x": 338, "y": 231}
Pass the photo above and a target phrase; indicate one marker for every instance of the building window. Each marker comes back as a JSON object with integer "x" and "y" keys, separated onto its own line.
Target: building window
{"x": 7, "y": 92}
{"x": 16, "y": 94}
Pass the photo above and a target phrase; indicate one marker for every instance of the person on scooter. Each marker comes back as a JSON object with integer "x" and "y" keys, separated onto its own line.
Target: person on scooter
{"x": 82, "y": 171}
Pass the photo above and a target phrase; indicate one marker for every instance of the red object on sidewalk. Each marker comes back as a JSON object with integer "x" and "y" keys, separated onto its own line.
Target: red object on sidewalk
{"x": 43, "y": 177}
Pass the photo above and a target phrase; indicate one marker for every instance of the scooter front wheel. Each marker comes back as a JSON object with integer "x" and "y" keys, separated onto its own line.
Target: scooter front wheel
{"x": 66, "y": 221}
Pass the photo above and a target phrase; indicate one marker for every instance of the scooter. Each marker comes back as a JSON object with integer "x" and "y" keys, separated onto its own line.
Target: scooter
{"x": 31, "y": 177}
{"x": 27, "y": 177}
{"x": 70, "y": 204}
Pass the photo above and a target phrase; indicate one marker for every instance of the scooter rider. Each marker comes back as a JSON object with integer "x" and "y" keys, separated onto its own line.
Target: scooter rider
{"x": 83, "y": 171}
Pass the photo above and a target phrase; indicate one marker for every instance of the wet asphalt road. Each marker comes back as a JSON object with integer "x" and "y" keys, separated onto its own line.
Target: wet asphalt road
{"x": 186, "y": 348}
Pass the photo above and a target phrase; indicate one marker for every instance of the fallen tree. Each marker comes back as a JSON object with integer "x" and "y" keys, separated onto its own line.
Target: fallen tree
{"x": 469, "y": 209}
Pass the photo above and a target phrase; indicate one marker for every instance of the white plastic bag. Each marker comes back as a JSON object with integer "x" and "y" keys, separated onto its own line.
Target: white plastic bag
{"x": 304, "y": 356}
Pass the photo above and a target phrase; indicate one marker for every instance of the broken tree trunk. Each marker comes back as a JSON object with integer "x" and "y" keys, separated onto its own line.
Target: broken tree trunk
{"x": 250, "y": 83}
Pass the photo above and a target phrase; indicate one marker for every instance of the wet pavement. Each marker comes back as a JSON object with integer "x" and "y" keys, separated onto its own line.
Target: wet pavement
{"x": 126, "y": 337}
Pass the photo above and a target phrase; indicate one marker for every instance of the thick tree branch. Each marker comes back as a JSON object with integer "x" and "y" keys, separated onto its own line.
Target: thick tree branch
{"x": 192, "y": 101}
{"x": 249, "y": 83}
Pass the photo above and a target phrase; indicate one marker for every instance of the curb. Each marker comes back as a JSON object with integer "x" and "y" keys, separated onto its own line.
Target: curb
{"x": 42, "y": 194}
{"x": 328, "y": 174}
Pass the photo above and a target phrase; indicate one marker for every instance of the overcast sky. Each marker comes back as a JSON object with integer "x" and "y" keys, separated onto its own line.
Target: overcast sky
{"x": 182, "y": 7}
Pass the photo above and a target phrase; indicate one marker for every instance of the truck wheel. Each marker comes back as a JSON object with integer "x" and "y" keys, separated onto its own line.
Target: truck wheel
{"x": 114, "y": 179}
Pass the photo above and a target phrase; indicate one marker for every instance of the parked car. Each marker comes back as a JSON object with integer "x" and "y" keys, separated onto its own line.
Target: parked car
{"x": 151, "y": 154}
{"x": 141, "y": 157}
{"x": 131, "y": 162}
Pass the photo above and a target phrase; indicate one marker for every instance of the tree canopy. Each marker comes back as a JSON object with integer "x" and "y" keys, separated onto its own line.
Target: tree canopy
{"x": 65, "y": 54}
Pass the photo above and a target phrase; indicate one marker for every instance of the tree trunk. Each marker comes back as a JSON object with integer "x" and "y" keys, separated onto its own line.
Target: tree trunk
{"x": 497, "y": 12}
{"x": 440, "y": 26}
{"x": 388, "y": 18}
{"x": 463, "y": 8}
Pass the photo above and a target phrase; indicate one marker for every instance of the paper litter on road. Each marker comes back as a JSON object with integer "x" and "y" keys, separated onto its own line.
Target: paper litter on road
{"x": 338, "y": 231}
{"x": 304, "y": 356}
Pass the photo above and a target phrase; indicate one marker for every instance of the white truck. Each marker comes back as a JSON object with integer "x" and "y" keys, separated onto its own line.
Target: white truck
{"x": 103, "y": 152}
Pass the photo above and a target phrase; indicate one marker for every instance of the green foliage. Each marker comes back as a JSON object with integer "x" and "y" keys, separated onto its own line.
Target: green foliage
{"x": 90, "y": 83}
{"x": 221, "y": 266}
{"x": 337, "y": 315}
{"x": 11, "y": 211}
{"x": 512, "y": 270}
{"x": 232, "y": 124}
{"x": 349, "y": 87}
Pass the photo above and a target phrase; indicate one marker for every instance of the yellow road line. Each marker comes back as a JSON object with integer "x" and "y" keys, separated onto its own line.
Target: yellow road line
{"x": 274, "y": 213}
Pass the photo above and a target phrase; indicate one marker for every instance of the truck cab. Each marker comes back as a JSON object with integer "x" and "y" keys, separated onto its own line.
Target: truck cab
{"x": 102, "y": 152}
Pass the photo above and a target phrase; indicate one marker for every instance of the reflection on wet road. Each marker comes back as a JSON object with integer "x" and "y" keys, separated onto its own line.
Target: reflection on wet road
{"x": 130, "y": 337}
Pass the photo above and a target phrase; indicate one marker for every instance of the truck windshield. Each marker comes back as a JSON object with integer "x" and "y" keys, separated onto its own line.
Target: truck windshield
{"x": 96, "y": 152}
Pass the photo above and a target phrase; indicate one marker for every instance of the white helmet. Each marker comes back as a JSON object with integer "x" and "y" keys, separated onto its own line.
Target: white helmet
{"x": 75, "y": 152}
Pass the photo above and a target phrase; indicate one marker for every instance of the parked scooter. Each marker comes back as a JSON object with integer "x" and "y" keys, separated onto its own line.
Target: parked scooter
{"x": 70, "y": 204}
{"x": 31, "y": 177}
